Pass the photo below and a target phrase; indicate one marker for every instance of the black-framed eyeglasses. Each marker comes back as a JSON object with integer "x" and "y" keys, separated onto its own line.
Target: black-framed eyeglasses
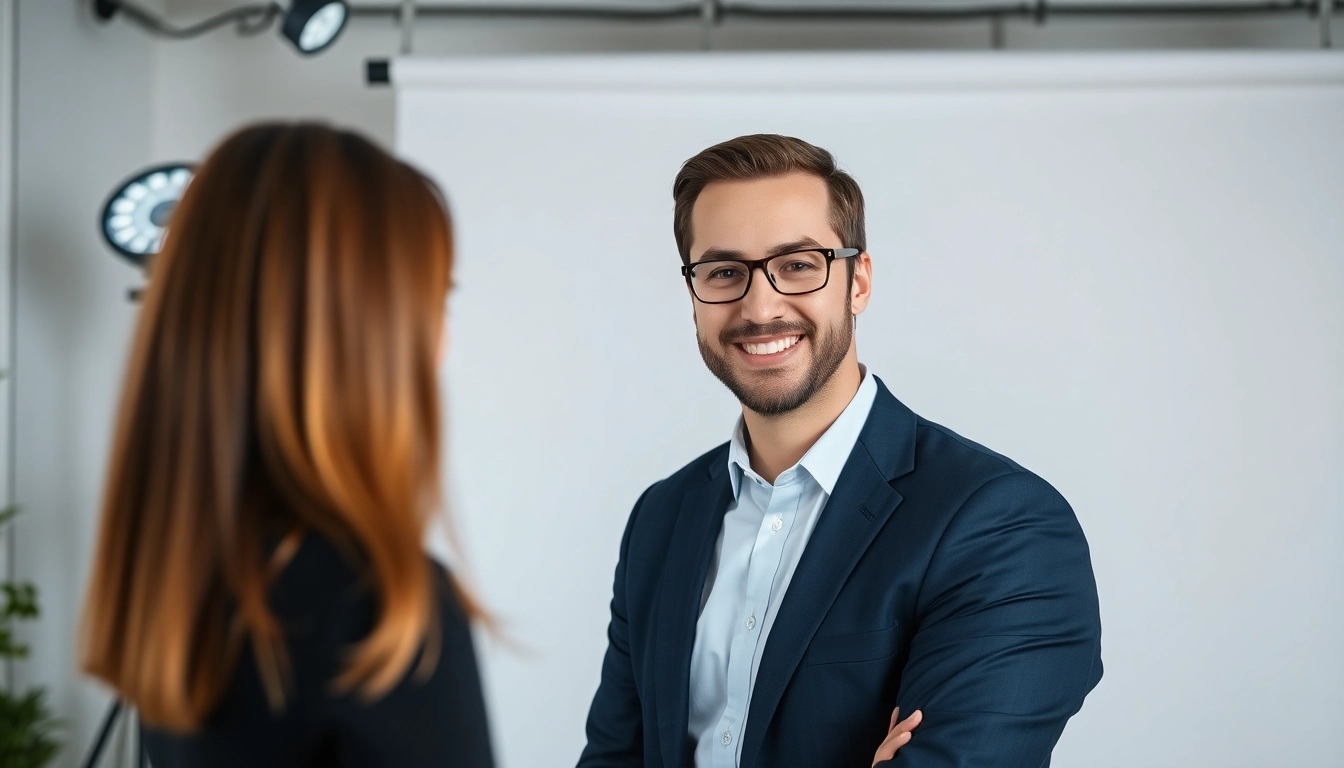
{"x": 723, "y": 281}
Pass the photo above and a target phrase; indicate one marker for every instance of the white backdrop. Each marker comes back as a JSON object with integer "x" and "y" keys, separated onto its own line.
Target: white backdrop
{"x": 1124, "y": 271}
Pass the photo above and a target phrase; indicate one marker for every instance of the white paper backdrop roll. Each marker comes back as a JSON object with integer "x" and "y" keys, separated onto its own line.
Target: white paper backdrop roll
{"x": 1125, "y": 271}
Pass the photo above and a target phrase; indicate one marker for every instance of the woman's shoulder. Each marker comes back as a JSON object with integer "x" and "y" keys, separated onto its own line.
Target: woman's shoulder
{"x": 328, "y": 579}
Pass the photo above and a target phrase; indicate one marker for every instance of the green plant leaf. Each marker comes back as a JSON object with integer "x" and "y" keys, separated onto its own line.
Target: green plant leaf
{"x": 27, "y": 730}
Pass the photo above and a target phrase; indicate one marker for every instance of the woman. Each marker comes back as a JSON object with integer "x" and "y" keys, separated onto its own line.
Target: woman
{"x": 260, "y": 593}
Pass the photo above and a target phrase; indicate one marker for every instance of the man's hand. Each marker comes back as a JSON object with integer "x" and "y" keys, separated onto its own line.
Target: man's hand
{"x": 897, "y": 734}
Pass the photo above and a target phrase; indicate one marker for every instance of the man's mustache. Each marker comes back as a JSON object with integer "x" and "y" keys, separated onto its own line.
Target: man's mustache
{"x": 738, "y": 333}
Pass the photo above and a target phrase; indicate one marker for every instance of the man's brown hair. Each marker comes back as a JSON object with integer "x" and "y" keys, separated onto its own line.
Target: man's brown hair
{"x": 763, "y": 156}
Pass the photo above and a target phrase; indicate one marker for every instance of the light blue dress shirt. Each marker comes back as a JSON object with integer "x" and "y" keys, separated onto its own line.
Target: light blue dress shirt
{"x": 765, "y": 530}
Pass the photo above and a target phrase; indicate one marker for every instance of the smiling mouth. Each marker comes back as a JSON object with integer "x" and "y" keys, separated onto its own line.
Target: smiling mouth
{"x": 772, "y": 347}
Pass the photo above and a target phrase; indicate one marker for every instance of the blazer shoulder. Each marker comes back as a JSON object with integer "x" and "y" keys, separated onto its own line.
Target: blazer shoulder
{"x": 656, "y": 511}
{"x": 693, "y": 475}
{"x": 933, "y": 437}
{"x": 958, "y": 462}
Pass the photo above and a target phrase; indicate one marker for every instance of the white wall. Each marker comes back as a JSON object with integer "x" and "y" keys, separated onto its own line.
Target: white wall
{"x": 96, "y": 103}
{"x": 85, "y": 105}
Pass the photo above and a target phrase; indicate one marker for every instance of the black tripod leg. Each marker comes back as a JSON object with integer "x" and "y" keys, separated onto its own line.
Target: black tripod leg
{"x": 109, "y": 720}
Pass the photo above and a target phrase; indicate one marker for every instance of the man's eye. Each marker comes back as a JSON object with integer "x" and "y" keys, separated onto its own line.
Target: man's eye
{"x": 724, "y": 273}
{"x": 799, "y": 266}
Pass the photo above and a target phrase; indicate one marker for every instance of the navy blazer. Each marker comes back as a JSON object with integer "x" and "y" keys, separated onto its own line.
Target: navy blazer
{"x": 940, "y": 576}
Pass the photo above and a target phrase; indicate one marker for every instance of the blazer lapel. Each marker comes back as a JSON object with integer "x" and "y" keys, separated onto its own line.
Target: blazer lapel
{"x": 688, "y": 555}
{"x": 862, "y": 503}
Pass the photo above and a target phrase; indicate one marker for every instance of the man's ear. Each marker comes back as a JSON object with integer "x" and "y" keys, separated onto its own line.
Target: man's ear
{"x": 861, "y": 287}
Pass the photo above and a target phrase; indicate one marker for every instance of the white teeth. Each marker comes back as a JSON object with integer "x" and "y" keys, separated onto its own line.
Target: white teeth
{"x": 771, "y": 347}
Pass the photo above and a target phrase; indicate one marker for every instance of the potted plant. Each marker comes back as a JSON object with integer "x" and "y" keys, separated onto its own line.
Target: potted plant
{"x": 27, "y": 727}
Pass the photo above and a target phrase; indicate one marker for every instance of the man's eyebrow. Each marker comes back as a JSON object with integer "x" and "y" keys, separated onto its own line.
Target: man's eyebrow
{"x": 713, "y": 254}
{"x": 796, "y": 245}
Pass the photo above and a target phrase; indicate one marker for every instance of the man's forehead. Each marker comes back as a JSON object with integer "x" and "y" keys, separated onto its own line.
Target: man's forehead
{"x": 797, "y": 187}
{"x": 762, "y": 214}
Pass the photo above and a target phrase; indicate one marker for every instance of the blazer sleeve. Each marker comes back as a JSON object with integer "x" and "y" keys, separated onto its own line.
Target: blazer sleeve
{"x": 615, "y": 719}
{"x": 1008, "y": 641}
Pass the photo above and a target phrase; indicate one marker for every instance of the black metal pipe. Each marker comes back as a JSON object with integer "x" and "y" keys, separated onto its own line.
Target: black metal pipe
{"x": 487, "y": 10}
{"x": 727, "y": 11}
{"x": 1034, "y": 11}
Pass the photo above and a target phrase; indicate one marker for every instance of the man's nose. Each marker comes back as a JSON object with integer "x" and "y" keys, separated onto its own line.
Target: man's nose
{"x": 762, "y": 302}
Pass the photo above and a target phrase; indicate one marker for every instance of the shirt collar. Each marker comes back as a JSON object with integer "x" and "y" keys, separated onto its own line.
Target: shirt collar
{"x": 826, "y": 458}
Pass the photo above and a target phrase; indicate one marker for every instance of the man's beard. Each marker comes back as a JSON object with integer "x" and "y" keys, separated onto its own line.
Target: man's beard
{"x": 827, "y": 353}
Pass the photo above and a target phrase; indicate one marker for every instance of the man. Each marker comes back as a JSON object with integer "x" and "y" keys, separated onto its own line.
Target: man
{"x": 840, "y": 557}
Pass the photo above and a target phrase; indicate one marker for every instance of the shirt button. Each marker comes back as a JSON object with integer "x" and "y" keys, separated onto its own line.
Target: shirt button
{"x": 777, "y": 524}
{"x": 726, "y": 738}
{"x": 751, "y": 623}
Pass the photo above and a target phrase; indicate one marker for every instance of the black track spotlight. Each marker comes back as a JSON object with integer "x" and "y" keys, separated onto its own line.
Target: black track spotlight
{"x": 135, "y": 216}
{"x": 312, "y": 25}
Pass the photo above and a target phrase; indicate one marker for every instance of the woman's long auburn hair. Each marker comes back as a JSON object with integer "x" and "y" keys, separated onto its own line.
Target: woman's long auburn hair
{"x": 282, "y": 381}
